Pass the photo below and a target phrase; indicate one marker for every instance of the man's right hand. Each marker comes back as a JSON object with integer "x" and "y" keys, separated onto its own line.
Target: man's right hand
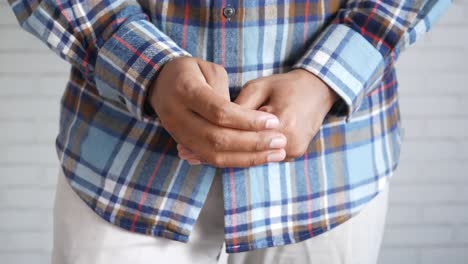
{"x": 191, "y": 98}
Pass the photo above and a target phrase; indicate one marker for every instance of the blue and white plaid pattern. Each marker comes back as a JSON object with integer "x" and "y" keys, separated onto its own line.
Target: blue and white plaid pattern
{"x": 124, "y": 165}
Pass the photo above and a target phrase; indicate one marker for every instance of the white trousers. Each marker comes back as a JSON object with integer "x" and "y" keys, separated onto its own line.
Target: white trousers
{"x": 82, "y": 237}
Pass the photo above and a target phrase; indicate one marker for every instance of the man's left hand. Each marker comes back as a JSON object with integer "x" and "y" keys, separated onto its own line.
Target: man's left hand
{"x": 298, "y": 98}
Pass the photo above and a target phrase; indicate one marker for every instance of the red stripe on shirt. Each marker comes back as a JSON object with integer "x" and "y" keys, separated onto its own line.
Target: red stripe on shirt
{"x": 184, "y": 30}
{"x": 306, "y": 20}
{"x": 150, "y": 182}
{"x": 383, "y": 87}
{"x": 132, "y": 49}
{"x": 374, "y": 9}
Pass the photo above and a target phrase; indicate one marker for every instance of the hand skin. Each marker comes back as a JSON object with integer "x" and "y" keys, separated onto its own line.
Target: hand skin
{"x": 191, "y": 99}
{"x": 299, "y": 98}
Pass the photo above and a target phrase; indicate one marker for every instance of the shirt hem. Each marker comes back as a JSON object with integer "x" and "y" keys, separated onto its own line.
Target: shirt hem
{"x": 157, "y": 231}
{"x": 280, "y": 241}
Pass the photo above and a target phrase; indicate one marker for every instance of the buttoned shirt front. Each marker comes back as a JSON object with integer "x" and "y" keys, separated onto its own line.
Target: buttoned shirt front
{"x": 124, "y": 165}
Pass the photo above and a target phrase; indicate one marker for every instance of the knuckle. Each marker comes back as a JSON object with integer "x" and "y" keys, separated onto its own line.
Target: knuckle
{"x": 219, "y": 161}
{"x": 184, "y": 86}
{"x": 180, "y": 87}
{"x": 219, "y": 114}
{"x": 214, "y": 158}
{"x": 218, "y": 69}
{"x": 254, "y": 124}
{"x": 289, "y": 124}
{"x": 251, "y": 83}
{"x": 254, "y": 160}
{"x": 218, "y": 141}
{"x": 258, "y": 143}
{"x": 209, "y": 157}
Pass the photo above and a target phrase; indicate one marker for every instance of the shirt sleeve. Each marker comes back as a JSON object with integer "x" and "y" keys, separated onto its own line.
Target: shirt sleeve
{"x": 353, "y": 52}
{"x": 112, "y": 43}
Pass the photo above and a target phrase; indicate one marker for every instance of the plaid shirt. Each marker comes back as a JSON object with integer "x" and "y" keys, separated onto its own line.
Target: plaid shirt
{"x": 124, "y": 165}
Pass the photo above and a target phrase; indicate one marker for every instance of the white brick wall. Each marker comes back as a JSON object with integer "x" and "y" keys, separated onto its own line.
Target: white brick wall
{"x": 31, "y": 81}
{"x": 428, "y": 215}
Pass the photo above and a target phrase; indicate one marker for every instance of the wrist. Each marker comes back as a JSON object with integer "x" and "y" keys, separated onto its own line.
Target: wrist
{"x": 330, "y": 97}
{"x": 150, "y": 107}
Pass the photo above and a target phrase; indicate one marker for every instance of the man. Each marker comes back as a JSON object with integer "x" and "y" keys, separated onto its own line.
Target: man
{"x": 270, "y": 125}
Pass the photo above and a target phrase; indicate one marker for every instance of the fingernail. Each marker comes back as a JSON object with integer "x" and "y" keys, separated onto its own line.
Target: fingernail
{"x": 183, "y": 153}
{"x": 272, "y": 123}
{"x": 194, "y": 162}
{"x": 275, "y": 156}
{"x": 184, "y": 149}
{"x": 277, "y": 142}
{"x": 188, "y": 156}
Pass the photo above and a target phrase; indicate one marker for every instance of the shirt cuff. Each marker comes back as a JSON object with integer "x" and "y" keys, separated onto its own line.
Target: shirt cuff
{"x": 129, "y": 61}
{"x": 347, "y": 62}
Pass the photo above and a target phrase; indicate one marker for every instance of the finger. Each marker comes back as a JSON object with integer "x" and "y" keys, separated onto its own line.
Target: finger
{"x": 190, "y": 157}
{"x": 194, "y": 161}
{"x": 222, "y": 112}
{"x": 246, "y": 159}
{"x": 185, "y": 153}
{"x": 267, "y": 108}
{"x": 183, "y": 150}
{"x": 252, "y": 96}
{"x": 236, "y": 140}
{"x": 227, "y": 139}
{"x": 216, "y": 77}
{"x": 214, "y": 138}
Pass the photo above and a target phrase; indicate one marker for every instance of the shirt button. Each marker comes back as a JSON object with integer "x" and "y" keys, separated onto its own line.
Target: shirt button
{"x": 229, "y": 12}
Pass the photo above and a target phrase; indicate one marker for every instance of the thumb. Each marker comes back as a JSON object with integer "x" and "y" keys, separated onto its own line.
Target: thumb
{"x": 253, "y": 95}
{"x": 216, "y": 77}
{"x": 267, "y": 108}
